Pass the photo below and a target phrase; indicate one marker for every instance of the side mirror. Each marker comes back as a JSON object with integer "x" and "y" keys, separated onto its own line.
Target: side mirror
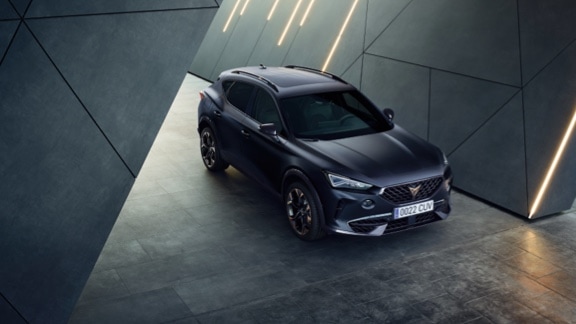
{"x": 269, "y": 129}
{"x": 389, "y": 113}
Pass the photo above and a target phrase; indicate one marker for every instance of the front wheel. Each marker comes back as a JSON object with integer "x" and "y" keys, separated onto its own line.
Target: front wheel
{"x": 210, "y": 151}
{"x": 304, "y": 212}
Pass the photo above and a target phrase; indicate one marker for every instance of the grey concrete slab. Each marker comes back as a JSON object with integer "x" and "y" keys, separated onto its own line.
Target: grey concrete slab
{"x": 549, "y": 107}
{"x": 353, "y": 74}
{"x": 460, "y": 105}
{"x": 50, "y": 8}
{"x": 62, "y": 186}
{"x": 400, "y": 86}
{"x": 546, "y": 28}
{"x": 131, "y": 78}
{"x": 491, "y": 163}
{"x": 501, "y": 308}
{"x": 446, "y": 308}
{"x": 485, "y": 44}
{"x": 157, "y": 306}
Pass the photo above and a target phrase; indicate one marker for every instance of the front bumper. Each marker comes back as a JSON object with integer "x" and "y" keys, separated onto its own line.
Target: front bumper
{"x": 346, "y": 212}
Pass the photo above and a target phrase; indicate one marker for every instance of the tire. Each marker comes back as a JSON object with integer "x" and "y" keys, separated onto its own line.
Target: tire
{"x": 210, "y": 151}
{"x": 304, "y": 212}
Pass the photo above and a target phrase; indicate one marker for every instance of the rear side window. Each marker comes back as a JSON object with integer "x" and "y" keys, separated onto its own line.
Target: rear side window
{"x": 238, "y": 93}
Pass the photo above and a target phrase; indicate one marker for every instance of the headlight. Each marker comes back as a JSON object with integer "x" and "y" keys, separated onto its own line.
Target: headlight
{"x": 340, "y": 182}
{"x": 445, "y": 159}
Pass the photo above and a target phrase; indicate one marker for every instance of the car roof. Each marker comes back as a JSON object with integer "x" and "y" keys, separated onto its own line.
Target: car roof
{"x": 290, "y": 80}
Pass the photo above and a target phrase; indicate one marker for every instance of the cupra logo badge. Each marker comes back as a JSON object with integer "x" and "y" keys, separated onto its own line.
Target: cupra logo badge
{"x": 414, "y": 191}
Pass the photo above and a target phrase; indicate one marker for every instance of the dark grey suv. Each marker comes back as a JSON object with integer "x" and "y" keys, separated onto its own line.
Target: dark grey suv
{"x": 339, "y": 163}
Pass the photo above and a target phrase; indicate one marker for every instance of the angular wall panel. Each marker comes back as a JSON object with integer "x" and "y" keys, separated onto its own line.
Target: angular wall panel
{"x": 550, "y": 103}
{"x": 473, "y": 37}
{"x": 546, "y": 27}
{"x": 211, "y": 48}
{"x": 244, "y": 37}
{"x": 20, "y": 5}
{"x": 6, "y": 11}
{"x": 7, "y": 30}
{"x": 321, "y": 35}
{"x": 459, "y": 105}
{"x": 379, "y": 16}
{"x": 353, "y": 74}
{"x": 63, "y": 181}
{"x": 400, "y": 86}
{"x": 43, "y": 8}
{"x": 266, "y": 51}
{"x": 51, "y": 224}
{"x": 130, "y": 76}
{"x": 491, "y": 164}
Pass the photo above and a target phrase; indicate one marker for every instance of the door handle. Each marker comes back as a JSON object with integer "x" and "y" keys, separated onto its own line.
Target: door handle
{"x": 217, "y": 113}
{"x": 245, "y": 133}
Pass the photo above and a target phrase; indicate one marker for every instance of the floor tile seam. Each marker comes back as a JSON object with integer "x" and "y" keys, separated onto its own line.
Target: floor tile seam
{"x": 453, "y": 298}
{"x": 103, "y": 300}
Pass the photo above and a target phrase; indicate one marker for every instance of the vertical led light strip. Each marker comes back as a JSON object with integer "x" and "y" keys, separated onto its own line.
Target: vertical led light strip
{"x": 289, "y": 22}
{"x": 553, "y": 166}
{"x": 339, "y": 36}
{"x": 272, "y": 10}
{"x": 231, "y": 15}
{"x": 244, "y": 7}
{"x": 306, "y": 13}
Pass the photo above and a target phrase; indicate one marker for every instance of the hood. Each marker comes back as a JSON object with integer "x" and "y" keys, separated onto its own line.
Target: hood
{"x": 382, "y": 159}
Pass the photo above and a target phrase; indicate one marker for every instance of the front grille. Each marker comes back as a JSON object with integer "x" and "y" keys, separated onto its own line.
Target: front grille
{"x": 402, "y": 194}
{"x": 412, "y": 221}
{"x": 363, "y": 226}
{"x": 367, "y": 225}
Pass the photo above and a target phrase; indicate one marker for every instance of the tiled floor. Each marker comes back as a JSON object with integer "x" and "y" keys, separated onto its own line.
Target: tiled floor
{"x": 195, "y": 247}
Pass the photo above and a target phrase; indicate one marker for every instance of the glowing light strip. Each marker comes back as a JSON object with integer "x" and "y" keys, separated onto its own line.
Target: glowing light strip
{"x": 339, "y": 36}
{"x": 306, "y": 13}
{"x": 244, "y": 7}
{"x": 289, "y": 22}
{"x": 553, "y": 166}
{"x": 272, "y": 10}
{"x": 231, "y": 15}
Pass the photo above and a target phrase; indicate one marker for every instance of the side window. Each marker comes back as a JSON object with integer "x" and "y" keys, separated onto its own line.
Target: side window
{"x": 238, "y": 94}
{"x": 265, "y": 111}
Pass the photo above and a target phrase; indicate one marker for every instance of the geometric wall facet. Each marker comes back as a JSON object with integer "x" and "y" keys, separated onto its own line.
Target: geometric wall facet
{"x": 380, "y": 15}
{"x": 546, "y": 28}
{"x": 491, "y": 163}
{"x": 43, "y": 8}
{"x": 550, "y": 103}
{"x": 81, "y": 99}
{"x": 62, "y": 186}
{"x": 7, "y": 30}
{"x": 20, "y": 5}
{"x": 400, "y": 86}
{"x": 6, "y": 11}
{"x": 473, "y": 37}
{"x": 459, "y": 105}
{"x": 353, "y": 74}
{"x": 130, "y": 77}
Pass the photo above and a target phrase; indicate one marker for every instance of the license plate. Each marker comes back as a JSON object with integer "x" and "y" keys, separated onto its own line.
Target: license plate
{"x": 415, "y": 209}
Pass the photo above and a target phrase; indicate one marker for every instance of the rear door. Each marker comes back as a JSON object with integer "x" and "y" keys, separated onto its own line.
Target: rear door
{"x": 230, "y": 121}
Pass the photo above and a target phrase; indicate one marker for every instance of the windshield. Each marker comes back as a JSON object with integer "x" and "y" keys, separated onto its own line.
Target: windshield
{"x": 332, "y": 115}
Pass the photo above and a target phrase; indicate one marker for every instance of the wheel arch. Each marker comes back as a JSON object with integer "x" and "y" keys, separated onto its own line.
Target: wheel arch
{"x": 294, "y": 174}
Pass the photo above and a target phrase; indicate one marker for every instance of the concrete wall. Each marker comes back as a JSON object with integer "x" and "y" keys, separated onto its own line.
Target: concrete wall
{"x": 489, "y": 81}
{"x": 84, "y": 88}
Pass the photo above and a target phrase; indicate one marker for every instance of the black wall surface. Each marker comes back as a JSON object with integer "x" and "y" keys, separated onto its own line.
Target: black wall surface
{"x": 84, "y": 88}
{"x": 492, "y": 82}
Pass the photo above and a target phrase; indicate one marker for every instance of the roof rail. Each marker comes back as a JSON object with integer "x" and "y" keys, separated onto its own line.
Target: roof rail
{"x": 304, "y": 68}
{"x": 256, "y": 76}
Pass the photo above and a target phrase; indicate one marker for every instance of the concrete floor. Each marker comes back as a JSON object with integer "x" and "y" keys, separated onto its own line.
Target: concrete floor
{"x": 194, "y": 247}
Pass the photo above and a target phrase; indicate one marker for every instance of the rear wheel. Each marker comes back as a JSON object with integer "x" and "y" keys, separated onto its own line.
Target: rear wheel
{"x": 304, "y": 212}
{"x": 210, "y": 151}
